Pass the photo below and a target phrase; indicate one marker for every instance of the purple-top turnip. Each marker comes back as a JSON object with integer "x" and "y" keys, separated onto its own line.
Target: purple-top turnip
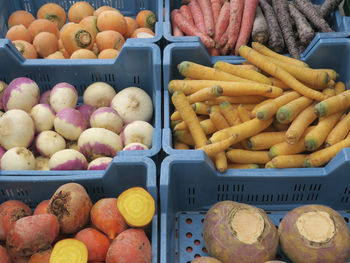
{"x": 18, "y": 158}
{"x": 133, "y": 104}
{"x": 22, "y": 93}
{"x": 45, "y": 97}
{"x": 68, "y": 159}
{"x": 108, "y": 118}
{"x": 2, "y": 152}
{"x": 69, "y": 123}
{"x": 16, "y": 129}
{"x": 86, "y": 111}
{"x": 99, "y": 94}
{"x": 134, "y": 146}
{"x": 3, "y": 86}
{"x": 233, "y": 232}
{"x": 43, "y": 116}
{"x": 314, "y": 233}
{"x": 97, "y": 142}
{"x": 49, "y": 142}
{"x": 100, "y": 163}
{"x": 42, "y": 163}
{"x": 63, "y": 95}
{"x": 138, "y": 131}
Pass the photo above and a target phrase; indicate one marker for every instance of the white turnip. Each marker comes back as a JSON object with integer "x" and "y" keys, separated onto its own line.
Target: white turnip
{"x": 100, "y": 163}
{"x": 3, "y": 86}
{"x": 22, "y": 93}
{"x": 18, "y": 158}
{"x": 86, "y": 111}
{"x": 68, "y": 159}
{"x": 63, "y": 95}
{"x": 108, "y": 118}
{"x": 16, "y": 129}
{"x": 49, "y": 142}
{"x": 45, "y": 97}
{"x": 133, "y": 104}
{"x": 138, "y": 131}
{"x": 314, "y": 233}
{"x": 69, "y": 123}
{"x": 97, "y": 142}
{"x": 42, "y": 163}
{"x": 43, "y": 116}
{"x": 134, "y": 146}
{"x": 233, "y": 232}
{"x": 99, "y": 94}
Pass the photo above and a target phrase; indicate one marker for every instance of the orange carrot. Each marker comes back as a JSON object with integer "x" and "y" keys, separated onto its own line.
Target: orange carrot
{"x": 20, "y": 17}
{"x": 287, "y": 161}
{"x": 189, "y": 116}
{"x": 191, "y": 30}
{"x": 75, "y": 37}
{"x": 53, "y": 12}
{"x": 222, "y": 42}
{"x": 109, "y": 39}
{"x": 43, "y": 25}
{"x": 45, "y": 43}
{"x": 236, "y": 12}
{"x": 339, "y": 132}
{"x": 80, "y": 10}
{"x": 143, "y": 214}
{"x": 197, "y": 16}
{"x": 146, "y": 18}
{"x": 19, "y": 32}
{"x": 247, "y": 23}
{"x": 176, "y": 30}
{"x": 265, "y": 140}
{"x": 216, "y": 6}
{"x": 260, "y": 61}
{"x": 186, "y": 12}
{"x": 222, "y": 21}
{"x": 245, "y": 156}
{"x": 26, "y": 49}
{"x": 208, "y": 16}
{"x": 300, "y": 123}
{"x": 112, "y": 20}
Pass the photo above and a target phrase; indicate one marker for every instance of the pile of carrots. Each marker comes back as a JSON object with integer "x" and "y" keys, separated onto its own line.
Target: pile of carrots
{"x": 81, "y": 33}
{"x": 273, "y": 111}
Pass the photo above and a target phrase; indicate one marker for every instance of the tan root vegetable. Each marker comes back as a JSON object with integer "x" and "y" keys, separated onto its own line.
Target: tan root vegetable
{"x": 108, "y": 54}
{"x": 56, "y": 55}
{"x": 26, "y": 49}
{"x": 131, "y": 26}
{"x": 76, "y": 37}
{"x": 111, "y": 20}
{"x": 99, "y": 10}
{"x": 83, "y": 54}
{"x": 90, "y": 23}
{"x": 45, "y": 44}
{"x": 20, "y": 17}
{"x": 43, "y": 25}
{"x": 19, "y": 32}
{"x": 54, "y": 13}
{"x": 109, "y": 39}
{"x": 142, "y": 32}
{"x": 80, "y": 10}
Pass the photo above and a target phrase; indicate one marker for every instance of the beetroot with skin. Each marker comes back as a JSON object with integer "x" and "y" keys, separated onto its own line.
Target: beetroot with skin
{"x": 132, "y": 245}
{"x": 71, "y": 204}
{"x": 227, "y": 237}
{"x": 41, "y": 257}
{"x": 10, "y": 212}
{"x": 31, "y": 234}
{"x": 4, "y": 255}
{"x": 315, "y": 233}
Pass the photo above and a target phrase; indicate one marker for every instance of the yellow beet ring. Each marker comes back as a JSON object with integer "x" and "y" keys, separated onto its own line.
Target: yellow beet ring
{"x": 137, "y": 206}
{"x": 69, "y": 250}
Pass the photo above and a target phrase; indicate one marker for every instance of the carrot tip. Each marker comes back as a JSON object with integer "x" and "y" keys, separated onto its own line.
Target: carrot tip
{"x": 320, "y": 109}
{"x": 311, "y": 145}
{"x": 261, "y": 115}
{"x": 307, "y": 163}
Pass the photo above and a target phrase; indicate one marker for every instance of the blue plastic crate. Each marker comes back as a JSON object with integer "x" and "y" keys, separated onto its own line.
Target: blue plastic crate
{"x": 138, "y": 66}
{"x": 340, "y": 25}
{"x": 123, "y": 173}
{"x": 190, "y": 185}
{"x": 327, "y": 53}
{"x": 126, "y": 7}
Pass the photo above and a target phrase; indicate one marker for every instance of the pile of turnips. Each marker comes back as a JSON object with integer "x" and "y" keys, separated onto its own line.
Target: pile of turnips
{"x": 52, "y": 132}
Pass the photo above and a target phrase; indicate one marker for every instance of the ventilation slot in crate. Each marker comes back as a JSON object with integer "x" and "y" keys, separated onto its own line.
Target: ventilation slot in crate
{"x": 191, "y": 195}
{"x": 282, "y": 198}
{"x": 346, "y": 196}
{"x": 119, "y": 4}
{"x": 306, "y": 192}
{"x": 96, "y": 193}
{"x": 230, "y": 192}
{"x": 103, "y": 77}
{"x": 136, "y": 79}
{"x": 39, "y": 77}
{"x": 142, "y": 4}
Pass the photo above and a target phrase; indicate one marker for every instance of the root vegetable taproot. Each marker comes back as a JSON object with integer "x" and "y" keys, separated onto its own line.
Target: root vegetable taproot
{"x": 205, "y": 260}
{"x": 48, "y": 142}
{"x": 186, "y": 12}
{"x": 138, "y": 131}
{"x": 71, "y": 205}
{"x": 99, "y": 94}
{"x": 108, "y": 53}
{"x": 333, "y": 104}
{"x": 79, "y": 10}
{"x": 207, "y": 12}
{"x": 109, "y": 39}
{"x": 132, "y": 245}
{"x": 42, "y": 163}
{"x": 90, "y": 23}
{"x": 137, "y": 206}
{"x": 41, "y": 256}
{"x": 328, "y": 6}
{"x": 31, "y": 234}
{"x": 99, "y": 10}
{"x": 131, "y": 26}
{"x": 63, "y": 95}
{"x": 26, "y": 49}
{"x": 216, "y": 6}
{"x": 236, "y": 242}
{"x": 41, "y": 208}
{"x": 108, "y": 118}
{"x": 83, "y": 54}
{"x": 70, "y": 123}
{"x": 236, "y": 12}
{"x": 197, "y": 16}
{"x": 52, "y": 12}
{"x": 86, "y": 111}
{"x": 106, "y": 216}
{"x": 18, "y": 158}
{"x": 75, "y": 37}
{"x": 19, "y": 32}
{"x": 68, "y": 159}
{"x": 222, "y": 21}
{"x": 111, "y": 20}
{"x": 176, "y": 31}
{"x": 43, "y": 25}
{"x": 69, "y": 250}
{"x": 142, "y": 32}
{"x": 146, "y": 18}
{"x": 100, "y": 163}
{"x": 97, "y": 243}
{"x": 309, "y": 229}
{"x": 45, "y": 43}
{"x": 56, "y": 55}
{"x": 20, "y": 17}
{"x": 4, "y": 255}
{"x": 135, "y": 146}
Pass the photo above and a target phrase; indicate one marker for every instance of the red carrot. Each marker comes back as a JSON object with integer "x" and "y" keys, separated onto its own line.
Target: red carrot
{"x": 214, "y": 52}
{"x": 222, "y": 22}
{"x": 215, "y": 8}
{"x": 197, "y": 15}
{"x": 236, "y": 11}
{"x": 192, "y": 30}
{"x": 208, "y": 16}
{"x": 186, "y": 12}
{"x": 223, "y": 40}
{"x": 247, "y": 23}
{"x": 176, "y": 30}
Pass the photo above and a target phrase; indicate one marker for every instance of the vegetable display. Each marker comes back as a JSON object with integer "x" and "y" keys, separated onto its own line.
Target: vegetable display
{"x": 238, "y": 232}
{"x": 243, "y": 118}
{"x": 54, "y": 132}
{"x": 223, "y": 26}
{"x": 80, "y": 33}
{"x": 70, "y": 229}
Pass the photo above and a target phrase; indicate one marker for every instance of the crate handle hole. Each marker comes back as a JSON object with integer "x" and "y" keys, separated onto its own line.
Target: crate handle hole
{"x": 189, "y": 221}
{"x": 188, "y": 234}
{"x": 197, "y": 242}
{"x": 189, "y": 249}
{"x": 205, "y": 250}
